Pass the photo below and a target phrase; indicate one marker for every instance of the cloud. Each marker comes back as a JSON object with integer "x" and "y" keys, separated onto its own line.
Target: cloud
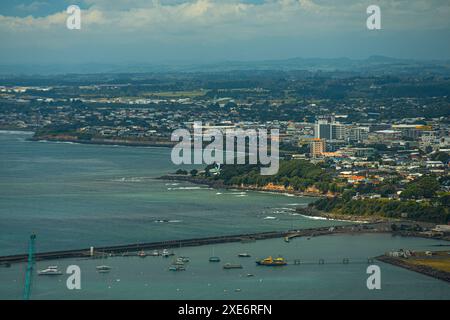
{"x": 140, "y": 28}
{"x": 247, "y": 16}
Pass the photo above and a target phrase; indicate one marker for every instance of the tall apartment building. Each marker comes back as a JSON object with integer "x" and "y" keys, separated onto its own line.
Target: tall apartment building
{"x": 329, "y": 130}
{"x": 317, "y": 147}
{"x": 357, "y": 134}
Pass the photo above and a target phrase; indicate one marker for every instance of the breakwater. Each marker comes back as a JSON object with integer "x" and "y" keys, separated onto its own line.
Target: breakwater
{"x": 122, "y": 249}
{"x": 423, "y": 269}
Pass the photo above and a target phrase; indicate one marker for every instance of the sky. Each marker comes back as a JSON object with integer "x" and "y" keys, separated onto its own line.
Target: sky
{"x": 203, "y": 31}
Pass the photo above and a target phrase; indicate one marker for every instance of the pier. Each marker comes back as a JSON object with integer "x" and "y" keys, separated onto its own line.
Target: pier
{"x": 123, "y": 249}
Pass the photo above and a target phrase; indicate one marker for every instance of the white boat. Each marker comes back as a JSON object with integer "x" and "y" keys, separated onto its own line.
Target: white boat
{"x": 165, "y": 253}
{"x": 181, "y": 261}
{"x": 142, "y": 254}
{"x": 155, "y": 253}
{"x": 244, "y": 255}
{"x": 176, "y": 268}
{"x": 50, "y": 271}
{"x": 103, "y": 268}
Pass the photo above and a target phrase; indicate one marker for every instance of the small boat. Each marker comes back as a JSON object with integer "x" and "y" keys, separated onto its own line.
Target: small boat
{"x": 271, "y": 262}
{"x": 232, "y": 266}
{"x": 178, "y": 262}
{"x": 177, "y": 268}
{"x": 250, "y": 275}
{"x": 155, "y": 253}
{"x": 50, "y": 271}
{"x": 184, "y": 259}
{"x": 165, "y": 253}
{"x": 142, "y": 254}
{"x": 244, "y": 255}
{"x": 214, "y": 259}
{"x": 286, "y": 239}
{"x": 103, "y": 269}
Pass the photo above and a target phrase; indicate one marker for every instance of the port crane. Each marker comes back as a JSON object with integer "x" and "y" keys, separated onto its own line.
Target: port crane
{"x": 30, "y": 266}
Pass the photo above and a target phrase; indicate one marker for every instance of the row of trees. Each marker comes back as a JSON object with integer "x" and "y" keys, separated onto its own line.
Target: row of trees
{"x": 297, "y": 174}
{"x": 419, "y": 211}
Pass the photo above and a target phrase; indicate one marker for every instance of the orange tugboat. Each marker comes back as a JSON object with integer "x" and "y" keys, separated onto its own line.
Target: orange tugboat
{"x": 271, "y": 262}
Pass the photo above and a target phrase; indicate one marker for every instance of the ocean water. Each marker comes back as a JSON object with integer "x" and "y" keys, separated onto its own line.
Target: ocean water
{"x": 75, "y": 196}
{"x": 149, "y": 278}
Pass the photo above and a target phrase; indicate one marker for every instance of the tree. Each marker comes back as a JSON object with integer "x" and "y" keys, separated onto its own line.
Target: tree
{"x": 425, "y": 187}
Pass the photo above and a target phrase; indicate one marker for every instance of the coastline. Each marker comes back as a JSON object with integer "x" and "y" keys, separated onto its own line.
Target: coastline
{"x": 220, "y": 185}
{"x": 423, "y": 269}
{"x": 318, "y": 215}
{"x": 106, "y": 142}
{"x": 306, "y": 212}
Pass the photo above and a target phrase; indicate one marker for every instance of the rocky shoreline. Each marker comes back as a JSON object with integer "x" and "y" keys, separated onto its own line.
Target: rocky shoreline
{"x": 220, "y": 185}
{"x": 310, "y": 212}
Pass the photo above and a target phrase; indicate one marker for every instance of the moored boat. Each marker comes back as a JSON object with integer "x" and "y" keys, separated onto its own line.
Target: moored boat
{"x": 214, "y": 259}
{"x": 142, "y": 254}
{"x": 244, "y": 255}
{"x": 166, "y": 253}
{"x": 177, "y": 268}
{"x": 271, "y": 262}
{"x": 50, "y": 271}
{"x": 103, "y": 269}
{"x": 155, "y": 253}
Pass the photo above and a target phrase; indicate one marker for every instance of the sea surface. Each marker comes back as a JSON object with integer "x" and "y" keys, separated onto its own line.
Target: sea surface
{"x": 149, "y": 278}
{"x": 76, "y": 196}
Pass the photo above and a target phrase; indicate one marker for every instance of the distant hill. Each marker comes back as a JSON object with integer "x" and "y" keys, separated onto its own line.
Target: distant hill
{"x": 373, "y": 64}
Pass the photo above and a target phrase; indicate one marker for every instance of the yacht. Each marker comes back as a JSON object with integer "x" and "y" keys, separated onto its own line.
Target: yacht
{"x": 142, "y": 254}
{"x": 178, "y": 262}
{"x": 50, "y": 271}
{"x": 177, "y": 268}
{"x": 244, "y": 255}
{"x": 214, "y": 259}
{"x": 103, "y": 269}
{"x": 165, "y": 253}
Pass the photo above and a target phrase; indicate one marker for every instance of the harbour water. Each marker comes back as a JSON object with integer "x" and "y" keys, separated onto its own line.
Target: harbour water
{"x": 149, "y": 278}
{"x": 75, "y": 196}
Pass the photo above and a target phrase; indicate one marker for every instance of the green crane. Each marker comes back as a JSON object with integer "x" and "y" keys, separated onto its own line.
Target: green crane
{"x": 30, "y": 266}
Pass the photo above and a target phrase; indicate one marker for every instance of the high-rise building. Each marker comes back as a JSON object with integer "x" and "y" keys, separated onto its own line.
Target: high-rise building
{"x": 329, "y": 130}
{"x": 357, "y": 134}
{"x": 337, "y": 131}
{"x": 317, "y": 147}
{"x": 322, "y": 130}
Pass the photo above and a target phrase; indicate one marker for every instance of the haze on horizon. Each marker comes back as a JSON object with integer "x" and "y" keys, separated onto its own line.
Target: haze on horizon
{"x": 202, "y": 31}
